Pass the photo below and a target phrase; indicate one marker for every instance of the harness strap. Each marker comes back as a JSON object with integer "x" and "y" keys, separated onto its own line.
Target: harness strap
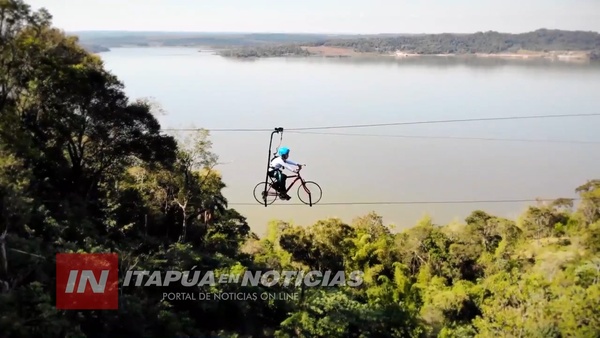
{"x": 279, "y": 145}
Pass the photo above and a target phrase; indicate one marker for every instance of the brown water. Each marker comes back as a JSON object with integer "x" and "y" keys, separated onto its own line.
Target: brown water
{"x": 204, "y": 90}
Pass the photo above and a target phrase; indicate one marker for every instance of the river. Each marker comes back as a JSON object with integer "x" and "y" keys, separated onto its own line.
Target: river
{"x": 407, "y": 163}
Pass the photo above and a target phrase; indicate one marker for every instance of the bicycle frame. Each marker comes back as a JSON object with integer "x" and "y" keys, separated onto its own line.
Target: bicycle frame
{"x": 297, "y": 178}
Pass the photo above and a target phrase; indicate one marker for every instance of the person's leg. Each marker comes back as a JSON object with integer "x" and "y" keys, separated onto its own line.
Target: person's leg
{"x": 278, "y": 176}
{"x": 283, "y": 187}
{"x": 282, "y": 179}
{"x": 273, "y": 174}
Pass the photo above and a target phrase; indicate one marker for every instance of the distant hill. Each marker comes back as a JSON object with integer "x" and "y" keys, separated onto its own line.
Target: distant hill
{"x": 143, "y": 39}
{"x": 542, "y": 43}
{"x": 281, "y": 44}
{"x": 92, "y": 48}
{"x": 542, "y": 40}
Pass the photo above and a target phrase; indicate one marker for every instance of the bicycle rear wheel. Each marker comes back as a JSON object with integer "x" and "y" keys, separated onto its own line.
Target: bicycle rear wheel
{"x": 259, "y": 190}
{"x": 310, "y": 193}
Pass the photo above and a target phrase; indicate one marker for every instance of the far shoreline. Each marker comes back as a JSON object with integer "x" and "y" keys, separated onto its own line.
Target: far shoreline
{"x": 342, "y": 52}
{"x": 565, "y": 56}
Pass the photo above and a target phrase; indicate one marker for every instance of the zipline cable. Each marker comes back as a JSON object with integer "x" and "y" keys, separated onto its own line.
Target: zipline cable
{"x": 412, "y": 202}
{"x": 389, "y": 124}
{"x": 446, "y": 121}
{"x": 447, "y": 137}
{"x": 490, "y": 201}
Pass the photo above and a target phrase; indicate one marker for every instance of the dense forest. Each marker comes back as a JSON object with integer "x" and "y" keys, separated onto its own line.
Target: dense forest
{"x": 271, "y": 50}
{"x": 488, "y": 42}
{"x": 85, "y": 169}
{"x": 542, "y": 40}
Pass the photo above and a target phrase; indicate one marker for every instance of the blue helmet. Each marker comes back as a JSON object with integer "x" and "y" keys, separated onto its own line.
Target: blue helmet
{"x": 283, "y": 151}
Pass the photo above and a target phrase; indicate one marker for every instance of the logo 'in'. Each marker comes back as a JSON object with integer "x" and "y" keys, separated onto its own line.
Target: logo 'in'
{"x": 87, "y": 281}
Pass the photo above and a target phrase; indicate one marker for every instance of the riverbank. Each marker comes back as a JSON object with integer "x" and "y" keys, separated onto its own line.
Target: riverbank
{"x": 258, "y": 52}
{"x": 567, "y": 56}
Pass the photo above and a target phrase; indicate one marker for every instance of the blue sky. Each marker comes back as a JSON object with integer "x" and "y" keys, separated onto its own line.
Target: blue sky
{"x": 325, "y": 16}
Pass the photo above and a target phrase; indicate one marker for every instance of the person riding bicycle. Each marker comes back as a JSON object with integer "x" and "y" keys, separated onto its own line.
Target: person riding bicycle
{"x": 275, "y": 170}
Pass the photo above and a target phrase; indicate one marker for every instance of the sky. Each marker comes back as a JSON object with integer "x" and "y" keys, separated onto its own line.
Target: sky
{"x": 324, "y": 16}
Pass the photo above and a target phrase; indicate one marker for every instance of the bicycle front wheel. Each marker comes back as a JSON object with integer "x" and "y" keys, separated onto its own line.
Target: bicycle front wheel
{"x": 310, "y": 193}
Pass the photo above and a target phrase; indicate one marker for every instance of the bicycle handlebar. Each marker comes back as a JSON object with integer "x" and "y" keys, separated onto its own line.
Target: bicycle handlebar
{"x": 299, "y": 168}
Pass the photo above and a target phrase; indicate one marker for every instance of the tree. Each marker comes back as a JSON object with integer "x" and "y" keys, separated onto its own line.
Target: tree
{"x": 590, "y": 201}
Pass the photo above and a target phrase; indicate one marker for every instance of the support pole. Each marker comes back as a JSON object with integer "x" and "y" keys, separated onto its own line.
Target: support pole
{"x": 276, "y": 131}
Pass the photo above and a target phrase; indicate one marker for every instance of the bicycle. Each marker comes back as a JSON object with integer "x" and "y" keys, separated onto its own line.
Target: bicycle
{"x": 314, "y": 193}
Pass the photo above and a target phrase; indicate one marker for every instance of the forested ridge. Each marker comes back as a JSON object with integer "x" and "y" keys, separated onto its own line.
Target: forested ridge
{"x": 85, "y": 169}
{"x": 278, "y": 44}
{"x": 270, "y": 50}
{"x": 481, "y": 42}
{"x": 216, "y": 40}
{"x": 542, "y": 40}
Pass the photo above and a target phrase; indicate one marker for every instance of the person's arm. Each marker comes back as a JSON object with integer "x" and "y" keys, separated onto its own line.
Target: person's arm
{"x": 291, "y": 162}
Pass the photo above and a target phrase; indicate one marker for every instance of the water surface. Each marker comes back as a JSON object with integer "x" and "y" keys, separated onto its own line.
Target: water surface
{"x": 205, "y": 90}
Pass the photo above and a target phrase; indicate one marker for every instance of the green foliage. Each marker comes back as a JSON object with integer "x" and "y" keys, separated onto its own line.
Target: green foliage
{"x": 262, "y": 51}
{"x": 84, "y": 169}
{"x": 488, "y": 42}
{"x": 336, "y": 314}
{"x": 541, "y": 40}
